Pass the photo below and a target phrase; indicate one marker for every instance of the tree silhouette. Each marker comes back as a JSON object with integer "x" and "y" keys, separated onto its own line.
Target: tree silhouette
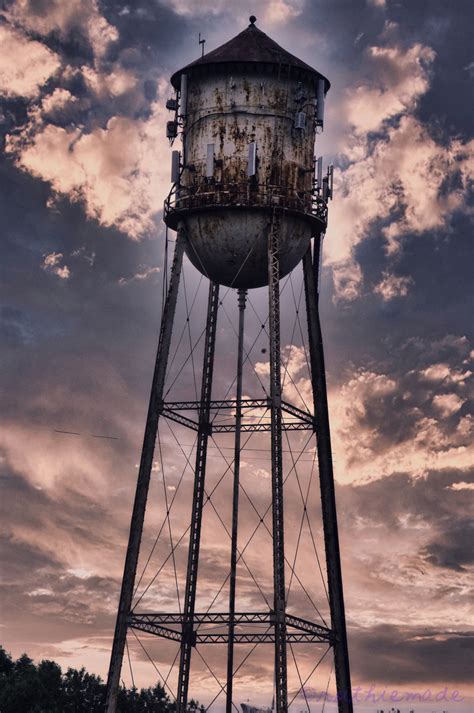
{"x": 27, "y": 688}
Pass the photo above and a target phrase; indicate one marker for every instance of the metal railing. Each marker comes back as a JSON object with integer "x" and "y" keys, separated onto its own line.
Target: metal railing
{"x": 244, "y": 195}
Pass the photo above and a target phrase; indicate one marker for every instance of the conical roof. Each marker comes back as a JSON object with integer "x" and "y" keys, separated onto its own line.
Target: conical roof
{"x": 252, "y": 46}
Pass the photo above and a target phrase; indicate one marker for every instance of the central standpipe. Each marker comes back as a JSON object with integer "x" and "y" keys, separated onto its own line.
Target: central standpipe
{"x": 235, "y": 501}
{"x": 281, "y": 678}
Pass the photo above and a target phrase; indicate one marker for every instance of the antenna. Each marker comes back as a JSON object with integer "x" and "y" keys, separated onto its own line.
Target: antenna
{"x": 210, "y": 161}
{"x": 325, "y": 192}
{"x": 320, "y": 172}
{"x": 175, "y": 166}
{"x": 202, "y": 42}
{"x": 251, "y": 168}
{"x": 330, "y": 179}
{"x": 300, "y": 120}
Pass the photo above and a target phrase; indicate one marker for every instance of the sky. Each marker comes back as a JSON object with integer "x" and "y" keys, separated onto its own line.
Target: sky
{"x": 84, "y": 171}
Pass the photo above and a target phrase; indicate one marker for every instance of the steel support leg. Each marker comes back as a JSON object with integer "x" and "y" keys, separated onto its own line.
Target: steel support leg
{"x": 281, "y": 681}
{"x": 143, "y": 482}
{"x": 235, "y": 502}
{"x": 328, "y": 500}
{"x": 188, "y": 634}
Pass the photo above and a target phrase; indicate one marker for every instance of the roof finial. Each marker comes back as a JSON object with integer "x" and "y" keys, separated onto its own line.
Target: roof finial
{"x": 253, "y": 20}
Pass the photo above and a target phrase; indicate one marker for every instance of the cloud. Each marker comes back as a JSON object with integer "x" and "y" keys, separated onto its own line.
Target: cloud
{"x": 51, "y": 264}
{"x": 448, "y": 404}
{"x": 118, "y": 172}
{"x": 392, "y": 286}
{"x": 407, "y": 180}
{"x": 462, "y": 486}
{"x": 55, "y": 16}
{"x": 470, "y": 69}
{"x": 57, "y": 100}
{"x": 423, "y": 523}
{"x": 49, "y": 530}
{"x": 188, "y": 7}
{"x": 400, "y": 419}
{"x": 282, "y": 11}
{"x": 274, "y": 11}
{"x": 143, "y": 274}
{"x": 443, "y": 372}
{"x": 393, "y": 177}
{"x": 401, "y": 76}
{"x": 453, "y": 549}
{"x": 347, "y": 278}
{"x": 401, "y": 655}
{"x": 383, "y": 422}
{"x": 25, "y": 65}
{"x": 114, "y": 83}
{"x": 404, "y": 419}
{"x": 82, "y": 254}
{"x": 99, "y": 135}
{"x": 294, "y": 375}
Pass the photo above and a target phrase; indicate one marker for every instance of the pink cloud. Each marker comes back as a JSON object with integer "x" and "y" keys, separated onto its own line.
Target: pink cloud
{"x": 51, "y": 263}
{"x": 25, "y": 65}
{"x": 400, "y": 77}
{"x": 119, "y": 173}
{"x": 398, "y": 178}
{"x": 392, "y": 286}
{"x": 63, "y": 17}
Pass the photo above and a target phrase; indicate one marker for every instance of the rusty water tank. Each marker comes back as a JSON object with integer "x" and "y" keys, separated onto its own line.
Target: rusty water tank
{"x": 248, "y": 113}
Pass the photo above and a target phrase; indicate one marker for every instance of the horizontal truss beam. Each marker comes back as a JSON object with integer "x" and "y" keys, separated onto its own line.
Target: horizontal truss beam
{"x": 171, "y": 410}
{"x": 299, "y": 630}
{"x": 262, "y": 427}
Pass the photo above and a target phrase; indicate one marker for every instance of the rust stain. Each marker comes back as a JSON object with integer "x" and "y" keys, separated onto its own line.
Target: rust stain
{"x": 231, "y": 115}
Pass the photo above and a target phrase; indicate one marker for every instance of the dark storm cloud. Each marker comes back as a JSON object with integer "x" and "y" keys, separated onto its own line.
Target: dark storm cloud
{"x": 67, "y": 510}
{"x": 20, "y": 557}
{"x": 15, "y": 326}
{"x": 438, "y": 301}
{"x": 436, "y": 263}
{"x": 449, "y": 34}
{"x": 69, "y": 40}
{"x": 439, "y": 297}
{"x": 341, "y": 30}
{"x": 438, "y": 502}
{"x": 415, "y": 395}
{"x": 57, "y": 601}
{"x": 430, "y": 498}
{"x": 453, "y": 548}
{"x": 149, "y": 32}
{"x": 437, "y": 507}
{"x": 400, "y": 656}
{"x": 42, "y": 309}
{"x": 146, "y": 40}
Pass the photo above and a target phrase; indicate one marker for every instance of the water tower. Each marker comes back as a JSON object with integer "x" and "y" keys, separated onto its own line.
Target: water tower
{"x": 248, "y": 204}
